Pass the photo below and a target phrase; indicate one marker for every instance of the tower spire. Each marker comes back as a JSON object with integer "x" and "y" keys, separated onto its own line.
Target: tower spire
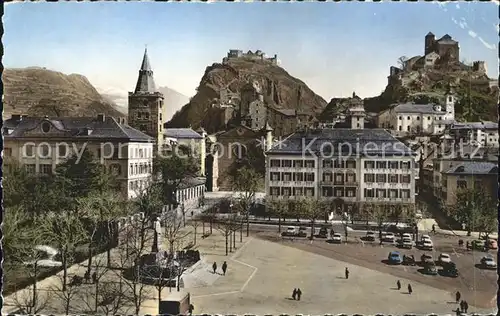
{"x": 145, "y": 82}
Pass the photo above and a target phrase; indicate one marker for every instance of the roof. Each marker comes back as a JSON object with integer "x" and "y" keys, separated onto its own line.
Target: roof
{"x": 475, "y": 125}
{"x": 446, "y": 39}
{"x": 430, "y": 33}
{"x": 474, "y": 167}
{"x": 145, "y": 81}
{"x": 77, "y": 127}
{"x": 182, "y": 133}
{"x": 417, "y": 108}
{"x": 191, "y": 182}
{"x": 328, "y": 141}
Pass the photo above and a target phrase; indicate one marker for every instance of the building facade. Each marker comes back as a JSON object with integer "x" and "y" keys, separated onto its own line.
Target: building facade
{"x": 39, "y": 144}
{"x": 483, "y": 133}
{"x": 146, "y": 111}
{"x": 354, "y": 166}
{"x": 195, "y": 141}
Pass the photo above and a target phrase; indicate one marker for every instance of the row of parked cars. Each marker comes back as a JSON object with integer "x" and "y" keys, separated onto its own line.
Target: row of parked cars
{"x": 429, "y": 265}
{"x": 292, "y": 231}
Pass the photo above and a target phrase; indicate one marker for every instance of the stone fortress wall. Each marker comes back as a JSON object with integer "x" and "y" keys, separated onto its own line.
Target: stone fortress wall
{"x": 257, "y": 55}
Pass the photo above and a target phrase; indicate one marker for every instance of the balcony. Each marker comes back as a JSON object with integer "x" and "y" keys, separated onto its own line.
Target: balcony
{"x": 326, "y": 182}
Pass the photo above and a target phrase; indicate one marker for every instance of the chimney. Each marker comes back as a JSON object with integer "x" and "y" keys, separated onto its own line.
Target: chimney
{"x": 101, "y": 117}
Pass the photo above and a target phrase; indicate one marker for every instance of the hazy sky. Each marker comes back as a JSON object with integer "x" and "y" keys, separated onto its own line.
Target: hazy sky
{"x": 335, "y": 48}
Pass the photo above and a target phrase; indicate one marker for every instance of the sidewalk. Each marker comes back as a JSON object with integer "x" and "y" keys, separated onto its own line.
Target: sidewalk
{"x": 426, "y": 225}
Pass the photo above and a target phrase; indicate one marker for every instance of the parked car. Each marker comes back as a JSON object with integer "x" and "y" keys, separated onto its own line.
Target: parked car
{"x": 337, "y": 238}
{"x": 492, "y": 244}
{"x": 450, "y": 270}
{"x": 409, "y": 260}
{"x": 388, "y": 237}
{"x": 395, "y": 257}
{"x": 291, "y": 231}
{"x": 323, "y": 232}
{"x": 302, "y": 232}
{"x": 488, "y": 262}
{"x": 46, "y": 257}
{"x": 425, "y": 237}
{"x": 426, "y": 258}
{"x": 427, "y": 245}
{"x": 406, "y": 243}
{"x": 370, "y": 236}
{"x": 477, "y": 245}
{"x": 444, "y": 258}
{"x": 407, "y": 235}
{"x": 430, "y": 268}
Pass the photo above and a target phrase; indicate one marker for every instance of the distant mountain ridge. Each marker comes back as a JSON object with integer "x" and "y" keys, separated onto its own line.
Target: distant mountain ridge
{"x": 37, "y": 91}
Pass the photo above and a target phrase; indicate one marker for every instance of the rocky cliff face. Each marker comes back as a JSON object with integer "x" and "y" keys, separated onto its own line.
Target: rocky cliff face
{"x": 38, "y": 91}
{"x": 280, "y": 90}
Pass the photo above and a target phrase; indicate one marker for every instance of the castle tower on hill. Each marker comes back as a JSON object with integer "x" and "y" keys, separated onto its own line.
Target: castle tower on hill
{"x": 145, "y": 104}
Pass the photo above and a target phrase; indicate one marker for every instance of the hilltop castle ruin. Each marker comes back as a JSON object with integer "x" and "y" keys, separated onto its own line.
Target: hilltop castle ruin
{"x": 257, "y": 55}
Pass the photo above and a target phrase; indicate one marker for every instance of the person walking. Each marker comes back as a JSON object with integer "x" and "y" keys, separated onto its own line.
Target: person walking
{"x": 86, "y": 276}
{"x": 294, "y": 294}
{"x": 398, "y": 284}
{"x": 191, "y": 309}
{"x": 346, "y": 273}
{"x": 299, "y": 294}
{"x": 214, "y": 267}
{"x": 457, "y": 297}
{"x": 433, "y": 228}
{"x": 224, "y": 268}
{"x": 94, "y": 277}
{"x": 410, "y": 289}
{"x": 462, "y": 307}
{"x": 466, "y": 306}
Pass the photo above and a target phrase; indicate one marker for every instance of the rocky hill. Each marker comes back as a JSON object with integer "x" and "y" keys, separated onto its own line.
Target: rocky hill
{"x": 280, "y": 90}
{"x": 38, "y": 91}
{"x": 476, "y": 100}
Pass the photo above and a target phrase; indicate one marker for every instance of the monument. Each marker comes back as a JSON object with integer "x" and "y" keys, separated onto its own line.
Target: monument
{"x": 156, "y": 236}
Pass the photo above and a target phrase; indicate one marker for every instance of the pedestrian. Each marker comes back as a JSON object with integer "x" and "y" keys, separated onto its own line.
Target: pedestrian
{"x": 462, "y": 307}
{"x": 299, "y": 294}
{"x": 467, "y": 245}
{"x": 191, "y": 309}
{"x": 466, "y": 306}
{"x": 346, "y": 273}
{"x": 94, "y": 277}
{"x": 398, "y": 285}
{"x": 214, "y": 267}
{"x": 457, "y": 297}
{"x": 224, "y": 267}
{"x": 410, "y": 290}
{"x": 294, "y": 293}
{"x": 86, "y": 276}
{"x": 433, "y": 228}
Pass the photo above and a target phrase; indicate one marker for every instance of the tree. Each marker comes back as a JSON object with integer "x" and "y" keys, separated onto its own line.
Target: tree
{"x": 195, "y": 223}
{"x": 310, "y": 207}
{"x": 378, "y": 213}
{"x": 278, "y": 207}
{"x": 67, "y": 294}
{"x": 64, "y": 230}
{"x": 476, "y": 209}
{"x": 246, "y": 181}
{"x": 227, "y": 225}
{"x": 402, "y": 62}
{"x": 29, "y": 303}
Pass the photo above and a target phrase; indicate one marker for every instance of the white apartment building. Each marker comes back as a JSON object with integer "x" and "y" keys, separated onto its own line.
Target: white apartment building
{"x": 484, "y": 133}
{"x": 39, "y": 144}
{"x": 411, "y": 118}
{"x": 350, "y": 166}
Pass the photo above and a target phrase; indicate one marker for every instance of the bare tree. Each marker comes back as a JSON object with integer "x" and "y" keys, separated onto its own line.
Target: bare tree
{"x": 27, "y": 303}
{"x": 66, "y": 294}
{"x": 403, "y": 62}
{"x": 378, "y": 213}
{"x": 195, "y": 223}
{"x": 227, "y": 226}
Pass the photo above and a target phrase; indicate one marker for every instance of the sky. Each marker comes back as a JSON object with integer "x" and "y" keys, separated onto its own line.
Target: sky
{"x": 335, "y": 48}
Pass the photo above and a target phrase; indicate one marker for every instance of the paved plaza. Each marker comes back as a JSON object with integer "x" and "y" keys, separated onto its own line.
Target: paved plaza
{"x": 263, "y": 274}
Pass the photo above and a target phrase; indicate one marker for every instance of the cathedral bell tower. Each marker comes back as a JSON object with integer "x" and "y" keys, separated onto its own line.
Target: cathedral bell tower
{"x": 145, "y": 105}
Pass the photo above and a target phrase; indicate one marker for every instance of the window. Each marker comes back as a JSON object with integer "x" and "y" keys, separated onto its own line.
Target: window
{"x": 393, "y": 178}
{"x": 350, "y": 192}
{"x": 7, "y": 152}
{"x": 44, "y": 151}
{"x": 337, "y": 163}
{"x": 298, "y": 164}
{"x": 405, "y": 178}
{"x": 408, "y": 118}
{"x": 393, "y": 193}
{"x": 298, "y": 176}
{"x": 407, "y": 128}
{"x": 62, "y": 150}
{"x": 30, "y": 168}
{"x": 339, "y": 192}
{"x": 136, "y": 169}
{"x": 309, "y": 177}
{"x": 429, "y": 118}
{"x": 286, "y": 163}
{"x": 405, "y": 165}
{"x": 369, "y": 165}
{"x": 131, "y": 171}
{"x": 287, "y": 176}
{"x": 369, "y": 193}
{"x": 45, "y": 127}
{"x": 400, "y": 118}
{"x": 339, "y": 178}
{"x": 160, "y": 117}
{"x": 29, "y": 150}
{"x": 327, "y": 163}
{"x": 381, "y": 164}
{"x": 357, "y": 125}
{"x": 461, "y": 184}
{"x": 405, "y": 194}
{"x": 381, "y": 178}
{"x": 45, "y": 168}
{"x": 141, "y": 153}
{"x": 328, "y": 191}
{"x": 327, "y": 177}
{"x": 309, "y": 163}
{"x": 418, "y": 118}
{"x": 351, "y": 164}
{"x": 309, "y": 192}
{"x": 400, "y": 128}
{"x": 275, "y": 163}
{"x": 298, "y": 192}
{"x": 393, "y": 165}
{"x": 369, "y": 178}
{"x": 350, "y": 178}
{"x": 381, "y": 193}
{"x": 275, "y": 176}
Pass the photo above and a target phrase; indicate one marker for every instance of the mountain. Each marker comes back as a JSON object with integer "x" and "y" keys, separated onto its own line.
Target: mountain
{"x": 173, "y": 100}
{"x": 38, "y": 91}
{"x": 279, "y": 88}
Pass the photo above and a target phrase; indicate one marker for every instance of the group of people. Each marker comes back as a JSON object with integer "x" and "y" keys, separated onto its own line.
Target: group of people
{"x": 296, "y": 294}
{"x": 464, "y": 306}
{"x": 410, "y": 289}
{"x": 224, "y": 267}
